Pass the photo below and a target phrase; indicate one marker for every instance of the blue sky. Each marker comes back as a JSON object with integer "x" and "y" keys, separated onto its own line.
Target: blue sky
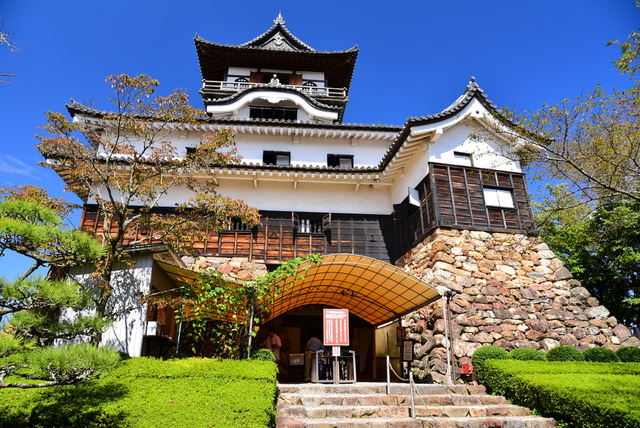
{"x": 415, "y": 58}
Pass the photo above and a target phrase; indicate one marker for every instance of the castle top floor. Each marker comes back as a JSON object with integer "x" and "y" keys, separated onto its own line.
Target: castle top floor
{"x": 275, "y": 76}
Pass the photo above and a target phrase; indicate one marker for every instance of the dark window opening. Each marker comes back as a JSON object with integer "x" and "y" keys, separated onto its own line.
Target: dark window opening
{"x": 311, "y": 223}
{"x": 271, "y": 157}
{"x": 340, "y": 161}
{"x": 234, "y": 224}
{"x": 279, "y": 113}
{"x": 463, "y": 158}
{"x": 191, "y": 151}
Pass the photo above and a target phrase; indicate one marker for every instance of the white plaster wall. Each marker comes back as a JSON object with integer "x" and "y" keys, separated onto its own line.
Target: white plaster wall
{"x": 311, "y": 151}
{"x": 129, "y": 285}
{"x": 239, "y": 71}
{"x": 485, "y": 154}
{"x": 310, "y": 197}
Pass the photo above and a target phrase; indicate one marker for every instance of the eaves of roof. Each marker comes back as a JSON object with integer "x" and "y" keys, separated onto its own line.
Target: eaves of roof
{"x": 199, "y": 40}
{"x": 77, "y": 109}
{"x": 472, "y": 91}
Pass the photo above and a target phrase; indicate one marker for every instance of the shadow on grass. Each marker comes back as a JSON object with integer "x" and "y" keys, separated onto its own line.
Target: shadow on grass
{"x": 79, "y": 406}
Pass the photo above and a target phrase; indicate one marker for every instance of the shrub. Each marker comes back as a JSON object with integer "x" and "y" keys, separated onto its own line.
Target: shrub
{"x": 629, "y": 354}
{"x": 526, "y": 354}
{"x": 575, "y": 393}
{"x": 263, "y": 355}
{"x": 600, "y": 355}
{"x": 564, "y": 353}
{"x": 490, "y": 352}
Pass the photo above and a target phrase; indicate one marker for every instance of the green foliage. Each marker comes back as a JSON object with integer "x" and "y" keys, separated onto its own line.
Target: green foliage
{"x": 577, "y": 394}
{"x": 601, "y": 248}
{"x": 10, "y": 345}
{"x": 483, "y": 354}
{"x": 263, "y": 355}
{"x": 600, "y": 355}
{"x": 135, "y": 141}
{"x": 226, "y": 313}
{"x": 629, "y": 354}
{"x": 526, "y": 354}
{"x": 147, "y": 393}
{"x": 32, "y": 224}
{"x": 588, "y": 144}
{"x": 564, "y": 353}
{"x": 62, "y": 365}
{"x": 34, "y": 229}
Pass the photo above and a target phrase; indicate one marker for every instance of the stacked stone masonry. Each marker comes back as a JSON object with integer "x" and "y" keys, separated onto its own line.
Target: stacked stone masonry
{"x": 508, "y": 290}
{"x": 232, "y": 268}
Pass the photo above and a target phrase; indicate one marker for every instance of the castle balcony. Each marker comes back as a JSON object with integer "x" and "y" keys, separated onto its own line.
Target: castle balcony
{"x": 219, "y": 89}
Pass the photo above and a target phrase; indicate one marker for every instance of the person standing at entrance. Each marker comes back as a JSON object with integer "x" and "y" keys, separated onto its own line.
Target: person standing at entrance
{"x": 273, "y": 343}
{"x": 313, "y": 345}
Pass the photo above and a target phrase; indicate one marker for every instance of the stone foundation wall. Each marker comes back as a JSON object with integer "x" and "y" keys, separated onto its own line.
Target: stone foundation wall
{"x": 510, "y": 291}
{"x": 234, "y": 268}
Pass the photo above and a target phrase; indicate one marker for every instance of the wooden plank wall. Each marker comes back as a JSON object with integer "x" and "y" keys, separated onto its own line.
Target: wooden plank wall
{"x": 276, "y": 240}
{"x": 452, "y": 196}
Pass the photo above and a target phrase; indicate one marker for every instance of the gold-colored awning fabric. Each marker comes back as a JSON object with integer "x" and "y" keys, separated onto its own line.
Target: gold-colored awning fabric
{"x": 375, "y": 291}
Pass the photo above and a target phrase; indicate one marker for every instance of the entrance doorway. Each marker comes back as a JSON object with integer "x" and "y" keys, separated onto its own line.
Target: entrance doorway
{"x": 296, "y": 326}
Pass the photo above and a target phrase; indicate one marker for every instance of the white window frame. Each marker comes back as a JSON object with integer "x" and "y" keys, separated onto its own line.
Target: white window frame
{"x": 502, "y": 198}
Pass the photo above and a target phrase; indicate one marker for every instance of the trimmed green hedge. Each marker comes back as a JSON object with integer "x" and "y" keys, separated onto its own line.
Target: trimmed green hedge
{"x": 564, "y": 353}
{"x": 600, "y": 355}
{"x": 147, "y": 392}
{"x": 582, "y": 394}
{"x": 483, "y": 354}
{"x": 526, "y": 354}
{"x": 629, "y": 354}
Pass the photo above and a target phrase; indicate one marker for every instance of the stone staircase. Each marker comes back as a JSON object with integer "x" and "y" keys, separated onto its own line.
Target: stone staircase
{"x": 369, "y": 405}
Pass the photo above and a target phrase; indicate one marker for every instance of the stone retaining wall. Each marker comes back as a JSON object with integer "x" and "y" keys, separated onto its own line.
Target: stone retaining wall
{"x": 233, "y": 268}
{"x": 510, "y": 291}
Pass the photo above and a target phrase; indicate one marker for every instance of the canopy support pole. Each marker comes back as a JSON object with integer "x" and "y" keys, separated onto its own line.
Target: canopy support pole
{"x": 445, "y": 293}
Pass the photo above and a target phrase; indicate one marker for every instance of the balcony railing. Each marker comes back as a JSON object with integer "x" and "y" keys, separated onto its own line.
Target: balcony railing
{"x": 217, "y": 87}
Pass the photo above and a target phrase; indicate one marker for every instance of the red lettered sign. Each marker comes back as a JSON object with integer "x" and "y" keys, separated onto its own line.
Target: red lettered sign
{"x": 336, "y": 327}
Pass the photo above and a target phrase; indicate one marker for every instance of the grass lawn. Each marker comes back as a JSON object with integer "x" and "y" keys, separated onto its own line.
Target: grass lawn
{"x": 146, "y": 392}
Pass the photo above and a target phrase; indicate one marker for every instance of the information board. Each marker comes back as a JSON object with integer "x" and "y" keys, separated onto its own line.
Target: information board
{"x": 336, "y": 327}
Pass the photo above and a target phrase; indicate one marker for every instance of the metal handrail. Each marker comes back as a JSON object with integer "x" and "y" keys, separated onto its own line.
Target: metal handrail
{"x": 210, "y": 86}
{"x": 412, "y": 384}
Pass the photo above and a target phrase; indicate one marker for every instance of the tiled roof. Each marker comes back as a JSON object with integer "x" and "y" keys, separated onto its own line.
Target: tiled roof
{"x": 76, "y": 108}
{"x": 304, "y": 167}
{"x": 278, "y": 30}
{"x": 472, "y": 91}
{"x": 277, "y": 27}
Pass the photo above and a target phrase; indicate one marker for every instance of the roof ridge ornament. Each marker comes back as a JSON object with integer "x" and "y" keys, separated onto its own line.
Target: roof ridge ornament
{"x": 472, "y": 84}
{"x": 279, "y": 19}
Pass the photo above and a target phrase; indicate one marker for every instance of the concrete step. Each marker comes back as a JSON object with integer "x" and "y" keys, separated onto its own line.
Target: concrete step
{"x": 387, "y": 411}
{"x": 368, "y": 404}
{"x": 380, "y": 388}
{"x": 294, "y": 399}
{"x": 494, "y": 422}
